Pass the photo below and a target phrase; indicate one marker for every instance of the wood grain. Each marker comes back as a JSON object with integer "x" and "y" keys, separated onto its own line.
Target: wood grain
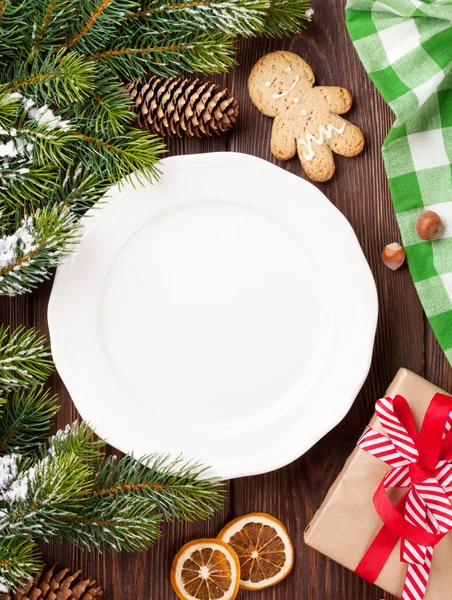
{"x": 359, "y": 189}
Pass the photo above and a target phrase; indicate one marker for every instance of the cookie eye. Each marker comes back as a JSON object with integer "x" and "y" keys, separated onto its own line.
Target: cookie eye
{"x": 303, "y": 112}
{"x": 296, "y": 100}
{"x": 267, "y": 83}
{"x": 288, "y": 69}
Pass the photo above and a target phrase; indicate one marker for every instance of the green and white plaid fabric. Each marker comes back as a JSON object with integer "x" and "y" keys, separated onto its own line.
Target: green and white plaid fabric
{"x": 406, "y": 47}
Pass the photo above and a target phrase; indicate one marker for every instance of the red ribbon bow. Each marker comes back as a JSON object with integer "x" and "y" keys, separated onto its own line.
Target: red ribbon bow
{"x": 423, "y": 464}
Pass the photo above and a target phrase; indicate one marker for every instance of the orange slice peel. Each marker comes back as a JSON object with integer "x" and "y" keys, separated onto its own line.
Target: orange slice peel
{"x": 206, "y": 569}
{"x": 263, "y": 547}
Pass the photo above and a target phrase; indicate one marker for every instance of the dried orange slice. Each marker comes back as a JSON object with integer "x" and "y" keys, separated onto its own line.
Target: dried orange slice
{"x": 206, "y": 570}
{"x": 264, "y": 549}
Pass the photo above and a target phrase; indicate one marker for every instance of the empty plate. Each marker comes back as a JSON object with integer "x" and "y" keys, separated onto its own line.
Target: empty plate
{"x": 226, "y": 313}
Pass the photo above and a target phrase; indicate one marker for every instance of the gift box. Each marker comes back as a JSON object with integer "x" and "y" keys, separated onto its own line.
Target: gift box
{"x": 347, "y": 523}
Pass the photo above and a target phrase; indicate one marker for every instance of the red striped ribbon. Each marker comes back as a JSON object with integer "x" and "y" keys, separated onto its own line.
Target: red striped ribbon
{"x": 421, "y": 463}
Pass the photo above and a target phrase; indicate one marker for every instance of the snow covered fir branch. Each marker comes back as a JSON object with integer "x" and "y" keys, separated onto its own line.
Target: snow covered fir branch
{"x": 65, "y": 486}
{"x": 67, "y": 129}
{"x": 24, "y": 359}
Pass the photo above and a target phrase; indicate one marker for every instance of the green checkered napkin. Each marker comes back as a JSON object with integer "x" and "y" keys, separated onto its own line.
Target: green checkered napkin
{"x": 406, "y": 47}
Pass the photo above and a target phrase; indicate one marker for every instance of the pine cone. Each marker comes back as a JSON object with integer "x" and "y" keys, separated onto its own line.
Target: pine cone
{"x": 53, "y": 584}
{"x": 173, "y": 106}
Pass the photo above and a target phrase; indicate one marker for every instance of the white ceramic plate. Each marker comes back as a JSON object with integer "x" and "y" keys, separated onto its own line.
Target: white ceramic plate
{"x": 226, "y": 313}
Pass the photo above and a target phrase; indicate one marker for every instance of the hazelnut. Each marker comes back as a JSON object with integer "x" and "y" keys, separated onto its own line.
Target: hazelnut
{"x": 393, "y": 255}
{"x": 429, "y": 225}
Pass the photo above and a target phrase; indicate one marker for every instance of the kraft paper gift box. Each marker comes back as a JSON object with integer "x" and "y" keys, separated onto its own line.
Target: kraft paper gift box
{"x": 347, "y": 522}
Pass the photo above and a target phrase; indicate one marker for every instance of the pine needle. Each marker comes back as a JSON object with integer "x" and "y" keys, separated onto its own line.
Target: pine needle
{"x": 129, "y": 524}
{"x": 56, "y": 77}
{"x": 286, "y": 17}
{"x": 19, "y": 561}
{"x": 24, "y": 359}
{"x": 40, "y": 244}
{"x": 202, "y": 53}
{"x": 26, "y": 419}
{"x": 178, "y": 489}
{"x": 232, "y": 17}
{"x": 77, "y": 439}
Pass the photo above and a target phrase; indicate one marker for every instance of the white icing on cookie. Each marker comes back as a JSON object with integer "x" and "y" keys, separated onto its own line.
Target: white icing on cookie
{"x": 296, "y": 100}
{"x": 288, "y": 69}
{"x": 278, "y": 96}
{"x": 303, "y": 112}
{"x": 267, "y": 83}
{"x": 323, "y": 132}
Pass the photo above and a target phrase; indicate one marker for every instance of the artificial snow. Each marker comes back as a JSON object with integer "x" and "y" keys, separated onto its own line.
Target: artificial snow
{"x": 309, "y": 14}
{"x": 10, "y": 98}
{"x": 18, "y": 490}
{"x": 17, "y": 147}
{"x": 61, "y": 435}
{"x": 14, "y": 486}
{"x": 20, "y": 243}
{"x": 9, "y": 149}
{"x": 78, "y": 170}
{"x": 46, "y": 117}
{"x": 28, "y": 103}
{"x": 8, "y": 470}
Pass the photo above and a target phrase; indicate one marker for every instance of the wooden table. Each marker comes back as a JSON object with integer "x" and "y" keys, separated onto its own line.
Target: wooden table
{"x": 360, "y": 190}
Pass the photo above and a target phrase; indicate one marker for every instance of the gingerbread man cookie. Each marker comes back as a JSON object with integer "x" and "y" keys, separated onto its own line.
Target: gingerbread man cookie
{"x": 307, "y": 121}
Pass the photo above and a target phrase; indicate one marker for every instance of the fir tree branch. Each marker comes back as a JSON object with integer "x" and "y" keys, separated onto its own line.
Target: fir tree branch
{"x": 58, "y": 78}
{"x": 24, "y": 189}
{"x": 175, "y": 487}
{"x": 99, "y": 25}
{"x": 108, "y": 115}
{"x": 79, "y": 188}
{"x": 43, "y": 496}
{"x": 49, "y": 11}
{"x": 39, "y": 245}
{"x": 24, "y": 358}
{"x": 29, "y": 156}
{"x": 117, "y": 506}
{"x": 232, "y": 17}
{"x": 3, "y": 401}
{"x": 3, "y": 5}
{"x": 26, "y": 418}
{"x": 107, "y": 112}
{"x": 75, "y": 439}
{"x": 19, "y": 562}
{"x": 121, "y": 523}
{"x": 95, "y": 14}
{"x": 11, "y": 28}
{"x": 206, "y": 53}
{"x": 10, "y": 107}
{"x": 49, "y": 146}
{"x": 53, "y": 498}
{"x": 135, "y": 152}
{"x": 50, "y": 20}
{"x": 286, "y": 17}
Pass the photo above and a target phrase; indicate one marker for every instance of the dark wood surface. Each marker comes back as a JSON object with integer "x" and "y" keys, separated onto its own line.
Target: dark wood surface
{"x": 359, "y": 189}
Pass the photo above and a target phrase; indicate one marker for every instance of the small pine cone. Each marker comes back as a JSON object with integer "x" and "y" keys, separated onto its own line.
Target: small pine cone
{"x": 176, "y": 106}
{"x": 54, "y": 584}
